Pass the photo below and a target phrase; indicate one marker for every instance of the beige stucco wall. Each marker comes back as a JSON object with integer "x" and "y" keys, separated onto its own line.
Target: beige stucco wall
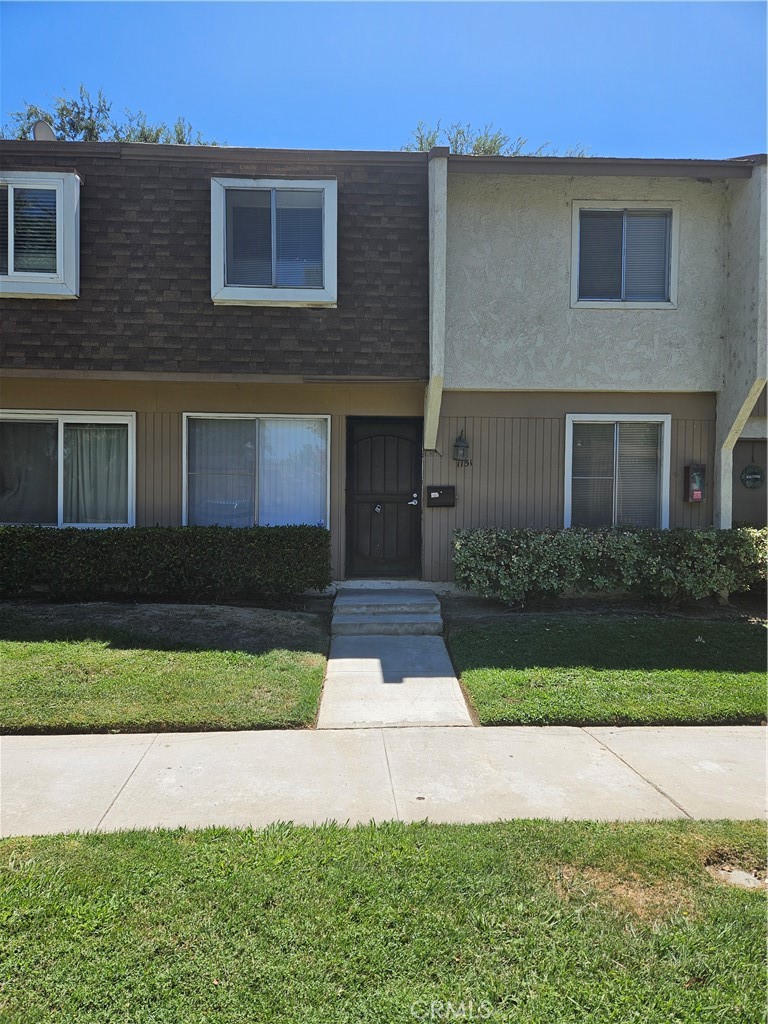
{"x": 744, "y": 350}
{"x": 509, "y": 321}
{"x": 159, "y": 409}
{"x": 518, "y": 460}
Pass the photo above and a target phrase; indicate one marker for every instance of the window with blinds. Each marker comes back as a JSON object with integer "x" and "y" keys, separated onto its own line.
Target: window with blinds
{"x": 275, "y": 238}
{"x": 39, "y": 234}
{"x": 28, "y": 230}
{"x": 273, "y": 241}
{"x": 624, "y": 255}
{"x": 616, "y": 474}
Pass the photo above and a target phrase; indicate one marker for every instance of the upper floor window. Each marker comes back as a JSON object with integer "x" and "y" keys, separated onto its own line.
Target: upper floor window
{"x": 39, "y": 235}
{"x": 273, "y": 242}
{"x": 624, "y": 256}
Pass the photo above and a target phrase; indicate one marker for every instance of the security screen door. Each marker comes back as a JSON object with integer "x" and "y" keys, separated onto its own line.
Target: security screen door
{"x": 383, "y": 496}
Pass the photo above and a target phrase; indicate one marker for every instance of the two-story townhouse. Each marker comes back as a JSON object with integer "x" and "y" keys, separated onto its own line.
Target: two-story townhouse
{"x": 196, "y": 335}
{"x": 598, "y": 335}
{"x": 199, "y": 335}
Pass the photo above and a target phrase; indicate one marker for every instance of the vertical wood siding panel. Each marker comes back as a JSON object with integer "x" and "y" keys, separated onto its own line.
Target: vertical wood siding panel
{"x": 523, "y": 474}
{"x": 175, "y": 443}
{"x": 517, "y": 478}
{"x": 143, "y": 466}
{"x": 160, "y": 467}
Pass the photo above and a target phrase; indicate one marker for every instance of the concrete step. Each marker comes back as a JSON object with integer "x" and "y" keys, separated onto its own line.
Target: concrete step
{"x": 386, "y": 624}
{"x": 368, "y": 602}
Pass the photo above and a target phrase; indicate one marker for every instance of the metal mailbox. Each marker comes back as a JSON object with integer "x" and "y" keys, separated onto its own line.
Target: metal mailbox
{"x": 440, "y": 496}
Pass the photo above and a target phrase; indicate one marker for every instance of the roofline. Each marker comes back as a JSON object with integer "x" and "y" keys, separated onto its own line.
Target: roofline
{"x": 739, "y": 167}
{"x": 224, "y": 154}
{"x": 736, "y": 167}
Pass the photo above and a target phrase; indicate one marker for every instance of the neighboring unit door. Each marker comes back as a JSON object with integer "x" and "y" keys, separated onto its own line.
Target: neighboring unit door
{"x": 383, "y": 496}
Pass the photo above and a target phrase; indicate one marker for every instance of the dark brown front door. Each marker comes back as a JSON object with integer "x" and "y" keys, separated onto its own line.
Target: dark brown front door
{"x": 383, "y": 496}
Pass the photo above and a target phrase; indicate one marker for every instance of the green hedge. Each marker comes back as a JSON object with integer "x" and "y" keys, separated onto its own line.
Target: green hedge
{"x": 180, "y": 563}
{"x": 677, "y": 565}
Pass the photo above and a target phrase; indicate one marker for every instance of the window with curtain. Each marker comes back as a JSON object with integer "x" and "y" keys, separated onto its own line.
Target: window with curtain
{"x": 624, "y": 255}
{"x": 266, "y": 471}
{"x": 95, "y": 473}
{"x": 65, "y": 471}
{"x": 616, "y": 474}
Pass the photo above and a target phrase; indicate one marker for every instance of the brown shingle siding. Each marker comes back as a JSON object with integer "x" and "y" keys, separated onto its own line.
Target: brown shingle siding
{"x": 145, "y": 279}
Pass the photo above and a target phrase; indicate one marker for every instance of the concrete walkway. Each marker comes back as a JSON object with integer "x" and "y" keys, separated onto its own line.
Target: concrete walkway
{"x": 388, "y": 667}
{"x": 389, "y": 681}
{"x": 70, "y": 783}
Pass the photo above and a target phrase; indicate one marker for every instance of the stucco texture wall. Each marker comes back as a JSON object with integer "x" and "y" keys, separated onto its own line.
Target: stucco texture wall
{"x": 509, "y": 320}
{"x": 745, "y": 345}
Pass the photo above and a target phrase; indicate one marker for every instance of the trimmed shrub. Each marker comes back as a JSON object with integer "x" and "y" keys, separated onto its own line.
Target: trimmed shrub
{"x": 670, "y": 565}
{"x": 179, "y": 563}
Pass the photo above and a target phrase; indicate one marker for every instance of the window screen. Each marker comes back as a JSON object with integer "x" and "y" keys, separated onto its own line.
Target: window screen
{"x": 28, "y": 472}
{"x": 616, "y": 474}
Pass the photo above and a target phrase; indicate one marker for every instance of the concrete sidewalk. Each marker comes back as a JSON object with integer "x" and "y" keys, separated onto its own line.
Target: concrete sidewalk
{"x": 80, "y": 783}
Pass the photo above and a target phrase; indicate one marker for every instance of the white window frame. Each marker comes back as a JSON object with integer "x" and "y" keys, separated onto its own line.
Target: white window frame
{"x": 663, "y": 206}
{"x": 187, "y": 416}
{"x": 665, "y": 419}
{"x": 67, "y": 417}
{"x": 260, "y": 295}
{"x": 65, "y": 283}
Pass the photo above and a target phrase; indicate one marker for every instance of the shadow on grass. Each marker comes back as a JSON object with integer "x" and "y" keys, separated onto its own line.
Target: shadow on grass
{"x": 610, "y": 643}
{"x": 172, "y": 628}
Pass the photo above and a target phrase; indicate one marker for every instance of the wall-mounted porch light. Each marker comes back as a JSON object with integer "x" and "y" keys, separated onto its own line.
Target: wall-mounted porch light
{"x": 461, "y": 449}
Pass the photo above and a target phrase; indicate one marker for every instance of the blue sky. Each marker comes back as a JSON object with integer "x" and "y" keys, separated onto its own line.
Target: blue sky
{"x": 630, "y": 79}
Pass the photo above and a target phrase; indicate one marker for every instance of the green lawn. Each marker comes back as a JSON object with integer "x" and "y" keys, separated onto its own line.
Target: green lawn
{"x": 105, "y": 668}
{"x": 553, "y": 923}
{"x": 611, "y": 669}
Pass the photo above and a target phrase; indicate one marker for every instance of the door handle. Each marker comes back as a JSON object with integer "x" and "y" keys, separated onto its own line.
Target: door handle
{"x": 414, "y": 502}
{"x": 377, "y": 509}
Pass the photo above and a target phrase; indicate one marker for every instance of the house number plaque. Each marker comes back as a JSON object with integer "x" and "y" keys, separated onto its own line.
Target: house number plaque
{"x": 753, "y": 477}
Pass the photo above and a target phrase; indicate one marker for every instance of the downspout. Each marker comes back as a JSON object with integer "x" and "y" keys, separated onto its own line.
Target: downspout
{"x": 438, "y": 218}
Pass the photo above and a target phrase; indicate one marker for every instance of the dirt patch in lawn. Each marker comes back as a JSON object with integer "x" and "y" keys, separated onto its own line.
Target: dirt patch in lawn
{"x": 628, "y": 894}
{"x": 213, "y": 627}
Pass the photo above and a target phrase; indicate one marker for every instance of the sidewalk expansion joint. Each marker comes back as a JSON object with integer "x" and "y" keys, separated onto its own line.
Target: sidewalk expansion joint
{"x": 130, "y": 776}
{"x": 639, "y": 774}
{"x": 389, "y": 773}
